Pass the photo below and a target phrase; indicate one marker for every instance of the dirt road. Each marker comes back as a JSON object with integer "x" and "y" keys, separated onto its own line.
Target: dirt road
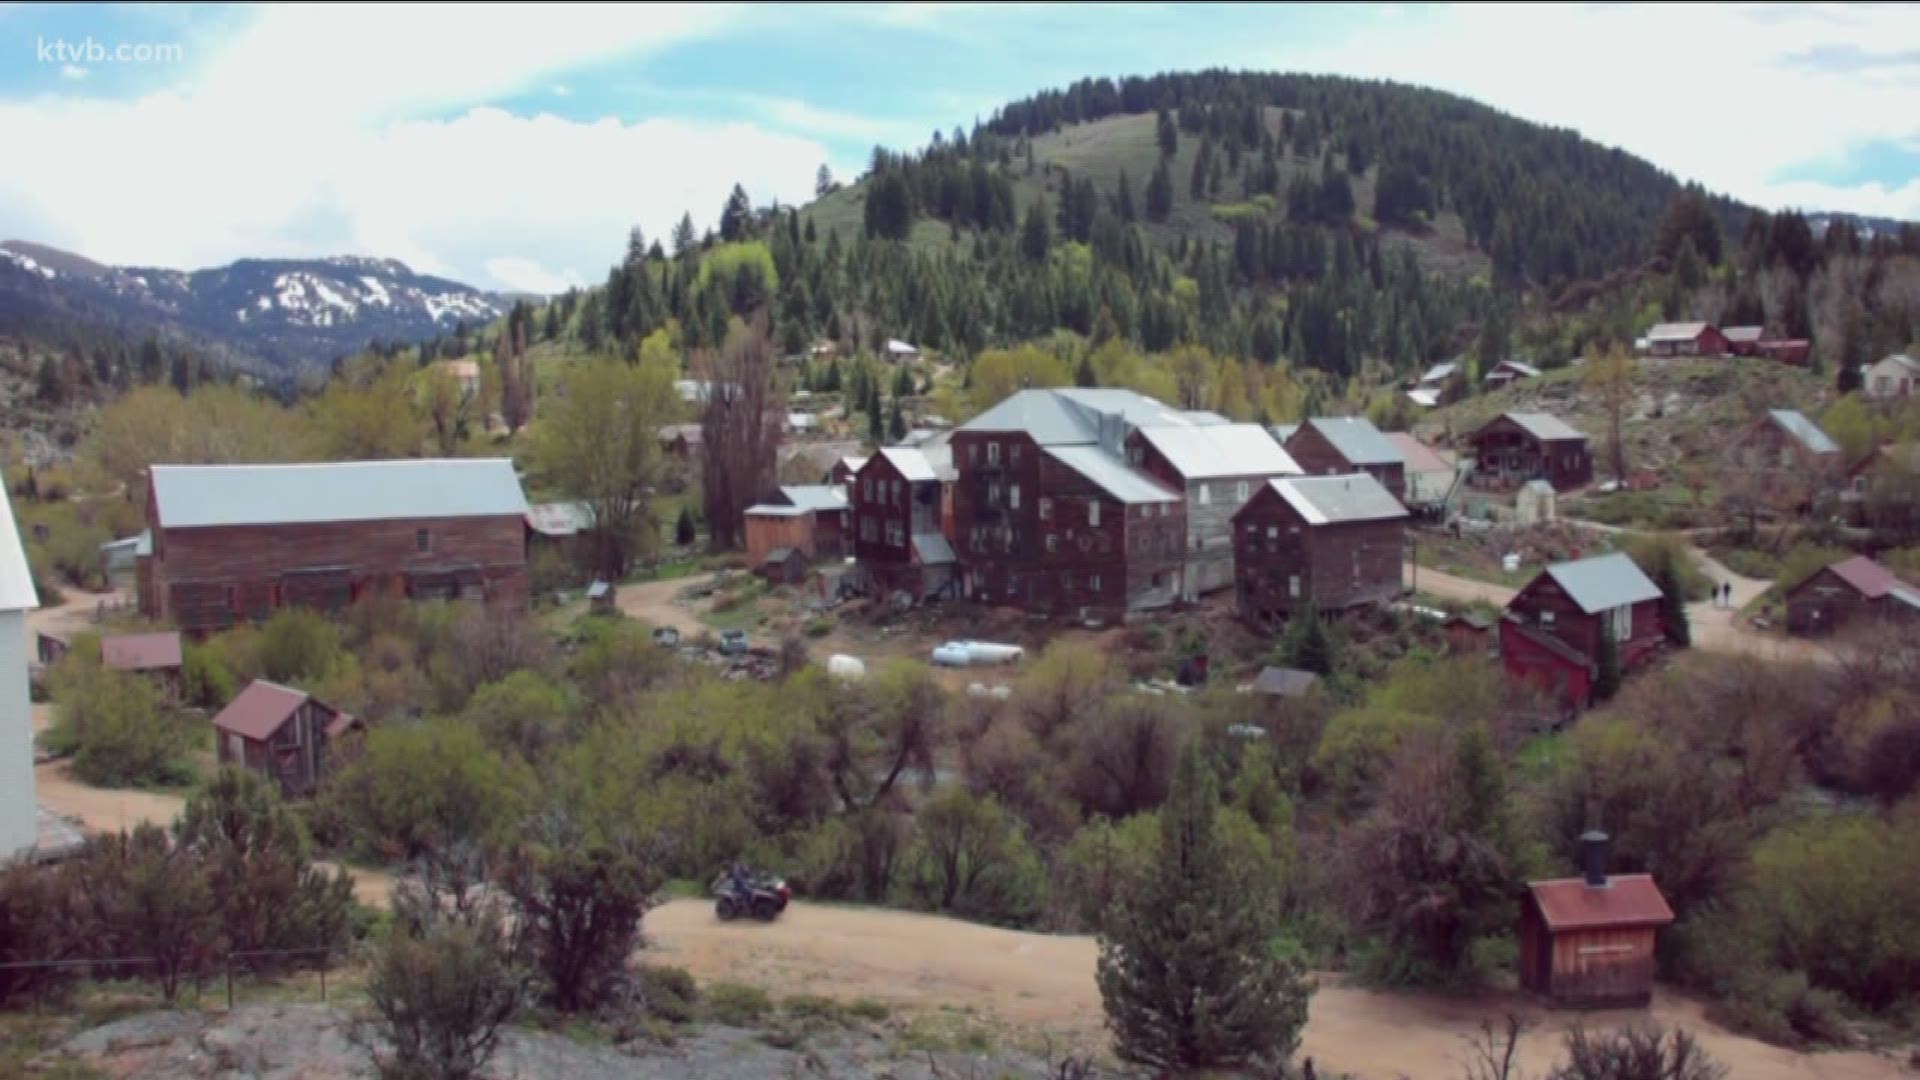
{"x": 652, "y": 603}
{"x": 1042, "y": 981}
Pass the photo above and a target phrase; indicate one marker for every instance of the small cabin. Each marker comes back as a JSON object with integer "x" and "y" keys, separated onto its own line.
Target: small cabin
{"x": 289, "y": 735}
{"x": 1589, "y": 942}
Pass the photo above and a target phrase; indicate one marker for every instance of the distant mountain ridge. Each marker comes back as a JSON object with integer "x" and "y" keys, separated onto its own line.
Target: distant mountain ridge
{"x": 271, "y": 316}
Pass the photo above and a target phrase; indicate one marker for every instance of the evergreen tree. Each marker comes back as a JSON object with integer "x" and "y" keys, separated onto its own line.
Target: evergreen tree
{"x": 896, "y": 422}
{"x": 889, "y": 209}
{"x": 1123, "y": 199}
{"x": 1167, "y": 135}
{"x": 736, "y": 218}
{"x": 1847, "y": 378}
{"x": 636, "y": 248}
{"x": 876, "y": 421}
{"x": 49, "y": 387}
{"x": 683, "y": 531}
{"x": 1036, "y": 236}
{"x": 1673, "y": 608}
{"x": 1188, "y": 973}
{"x": 823, "y": 184}
{"x": 1307, "y": 645}
{"x": 808, "y": 231}
{"x": 1083, "y": 375}
{"x": 1160, "y": 193}
{"x": 1606, "y": 679}
{"x": 1202, "y": 165}
{"x": 683, "y": 237}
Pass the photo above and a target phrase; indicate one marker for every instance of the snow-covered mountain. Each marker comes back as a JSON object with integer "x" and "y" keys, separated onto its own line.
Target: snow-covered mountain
{"x": 264, "y": 313}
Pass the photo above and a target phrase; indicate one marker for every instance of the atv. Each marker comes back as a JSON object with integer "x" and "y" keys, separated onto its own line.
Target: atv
{"x": 764, "y": 898}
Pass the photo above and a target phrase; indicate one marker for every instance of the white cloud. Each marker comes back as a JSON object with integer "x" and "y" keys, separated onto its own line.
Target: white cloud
{"x": 561, "y": 90}
{"x": 1719, "y": 94}
{"x": 73, "y": 72}
{"x": 312, "y": 133}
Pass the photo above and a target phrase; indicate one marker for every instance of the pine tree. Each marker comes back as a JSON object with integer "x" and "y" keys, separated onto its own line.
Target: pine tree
{"x": 1187, "y": 972}
{"x": 683, "y": 531}
{"x": 808, "y": 231}
{"x": 1083, "y": 375}
{"x": 636, "y": 248}
{"x": 1160, "y": 193}
{"x": 1036, "y": 236}
{"x": 1673, "y": 608}
{"x": 876, "y": 421}
{"x": 896, "y": 422}
{"x": 1307, "y": 644}
{"x": 1123, "y": 199}
{"x": 1606, "y": 679}
{"x": 1167, "y": 135}
{"x": 736, "y": 217}
{"x": 823, "y": 184}
{"x": 683, "y": 237}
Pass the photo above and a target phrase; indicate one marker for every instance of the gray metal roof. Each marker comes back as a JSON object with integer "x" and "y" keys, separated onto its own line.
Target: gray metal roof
{"x": 1357, "y": 440}
{"x": 1544, "y": 426}
{"x": 1205, "y": 417}
{"x": 560, "y": 518}
{"x": 1440, "y": 372}
{"x": 1114, "y": 476}
{"x": 1806, "y": 432}
{"x": 1072, "y": 415}
{"x": 1323, "y": 500}
{"x": 1675, "y": 331}
{"x": 1743, "y": 333}
{"x": 16, "y": 580}
{"x": 775, "y": 510}
{"x": 816, "y": 496}
{"x": 932, "y": 549}
{"x": 1604, "y": 582}
{"x": 911, "y": 464}
{"x": 1284, "y": 682}
{"x": 1204, "y": 453}
{"x": 200, "y": 496}
{"x": 1282, "y": 432}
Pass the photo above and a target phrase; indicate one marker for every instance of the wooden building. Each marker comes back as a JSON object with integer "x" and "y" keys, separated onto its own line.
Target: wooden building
{"x": 810, "y": 519}
{"x": 1550, "y": 636}
{"x": 1322, "y": 542}
{"x": 1430, "y": 473}
{"x": 784, "y": 566}
{"x": 20, "y": 818}
{"x": 1507, "y": 372}
{"x": 290, "y": 735}
{"x": 155, "y": 655}
{"x": 1894, "y": 376}
{"x": 1685, "y": 339}
{"x": 1338, "y": 445}
{"x": 239, "y": 542}
{"x": 1516, "y": 447}
{"x": 1856, "y": 588}
{"x": 902, "y": 519}
{"x": 1744, "y": 340}
{"x": 1795, "y": 351}
{"x": 1218, "y": 467}
{"x": 1788, "y": 456}
{"x": 1590, "y": 941}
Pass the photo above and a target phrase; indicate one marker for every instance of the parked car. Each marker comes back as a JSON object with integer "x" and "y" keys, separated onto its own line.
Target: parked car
{"x": 666, "y": 637}
{"x": 733, "y": 643}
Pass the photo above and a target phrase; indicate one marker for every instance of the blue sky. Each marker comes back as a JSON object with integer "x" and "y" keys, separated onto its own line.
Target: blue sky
{"x": 513, "y": 147}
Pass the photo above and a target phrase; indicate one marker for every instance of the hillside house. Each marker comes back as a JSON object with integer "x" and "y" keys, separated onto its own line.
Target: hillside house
{"x": 681, "y": 440}
{"x": 1895, "y": 376}
{"x": 1429, "y": 472}
{"x": 291, "y": 736}
{"x": 1507, "y": 372}
{"x": 1685, "y": 339}
{"x": 1218, "y": 467}
{"x": 1795, "y": 351}
{"x": 902, "y": 511}
{"x": 844, "y": 469}
{"x": 902, "y": 352}
{"x": 1588, "y": 942}
{"x": 1550, "y": 636}
{"x": 1895, "y": 461}
{"x": 1856, "y": 588}
{"x": 1322, "y": 542}
{"x": 1516, "y": 447}
{"x": 1437, "y": 385}
{"x": 1283, "y": 682}
{"x": 1744, "y": 340}
{"x": 1789, "y": 453}
{"x": 239, "y": 542}
{"x": 1337, "y": 445}
{"x": 812, "y": 520}
{"x": 19, "y": 828}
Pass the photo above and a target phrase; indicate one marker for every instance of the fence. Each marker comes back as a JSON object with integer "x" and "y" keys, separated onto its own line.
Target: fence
{"x": 238, "y": 973}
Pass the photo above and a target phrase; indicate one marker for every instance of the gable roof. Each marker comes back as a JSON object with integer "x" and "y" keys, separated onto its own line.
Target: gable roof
{"x": 199, "y": 496}
{"x": 1074, "y": 415}
{"x": 1677, "y": 331}
{"x": 1113, "y": 476}
{"x": 911, "y": 464}
{"x": 1440, "y": 372}
{"x": 1420, "y": 457}
{"x": 1626, "y": 900}
{"x": 1744, "y": 334}
{"x": 853, "y": 462}
{"x": 1356, "y": 438}
{"x": 1804, "y": 431}
{"x": 775, "y": 510}
{"x": 1898, "y": 360}
{"x": 141, "y": 652}
{"x": 815, "y": 497}
{"x": 260, "y": 710}
{"x": 1201, "y": 453}
{"x": 1323, "y": 500}
{"x": 1425, "y": 397}
{"x": 1603, "y": 582}
{"x": 560, "y": 518}
{"x": 1284, "y": 682}
{"x": 932, "y": 549}
{"x": 1515, "y": 367}
{"x": 1282, "y": 432}
{"x": 1867, "y": 577}
{"x": 1543, "y": 426}
{"x": 16, "y": 581}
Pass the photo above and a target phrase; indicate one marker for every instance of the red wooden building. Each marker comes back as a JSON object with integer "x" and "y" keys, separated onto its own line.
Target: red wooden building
{"x": 1589, "y": 942}
{"x": 239, "y": 542}
{"x": 1744, "y": 340}
{"x": 1551, "y": 634}
{"x": 902, "y": 502}
{"x": 1851, "y": 589}
{"x": 290, "y": 735}
{"x": 1338, "y": 445}
{"x": 1321, "y": 542}
{"x": 1686, "y": 339}
{"x": 1516, "y": 447}
{"x": 810, "y": 519}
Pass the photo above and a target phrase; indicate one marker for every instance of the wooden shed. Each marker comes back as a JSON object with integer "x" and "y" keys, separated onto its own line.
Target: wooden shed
{"x": 1589, "y": 942}
{"x": 290, "y": 735}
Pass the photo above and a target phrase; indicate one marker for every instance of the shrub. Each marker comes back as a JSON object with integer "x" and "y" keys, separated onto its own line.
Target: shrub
{"x": 818, "y": 628}
{"x": 1669, "y": 552}
{"x": 120, "y": 729}
{"x": 736, "y": 1005}
{"x": 442, "y": 995}
{"x": 298, "y": 645}
{"x": 206, "y": 681}
{"x": 668, "y": 993}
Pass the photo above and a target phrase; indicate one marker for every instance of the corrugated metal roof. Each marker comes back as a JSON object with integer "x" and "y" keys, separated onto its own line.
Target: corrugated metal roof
{"x": 1675, "y": 331}
{"x": 1420, "y": 457}
{"x": 1744, "y": 334}
{"x": 1604, "y": 582}
{"x": 199, "y": 496}
{"x": 1072, "y": 415}
{"x": 854, "y": 464}
{"x": 1515, "y": 367}
{"x": 816, "y": 497}
{"x": 1872, "y": 580}
{"x": 912, "y": 465}
{"x": 1425, "y": 398}
{"x": 1804, "y": 431}
{"x": 1323, "y": 500}
{"x": 1284, "y": 682}
{"x": 16, "y": 580}
{"x": 932, "y": 549}
{"x": 141, "y": 652}
{"x": 1440, "y": 372}
{"x": 1625, "y": 900}
{"x": 1544, "y": 426}
{"x": 259, "y": 710}
{"x": 1357, "y": 439}
{"x": 1203, "y": 453}
{"x": 775, "y": 510}
{"x": 1115, "y": 477}
{"x": 1206, "y": 417}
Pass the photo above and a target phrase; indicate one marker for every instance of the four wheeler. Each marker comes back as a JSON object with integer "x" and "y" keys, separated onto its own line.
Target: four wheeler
{"x": 764, "y": 897}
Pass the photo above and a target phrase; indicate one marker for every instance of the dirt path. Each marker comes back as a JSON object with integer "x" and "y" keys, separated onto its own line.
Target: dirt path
{"x": 1450, "y": 587}
{"x": 1043, "y": 981}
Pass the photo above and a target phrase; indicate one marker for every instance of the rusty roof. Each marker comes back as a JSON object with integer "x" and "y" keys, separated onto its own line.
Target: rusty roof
{"x": 1872, "y": 580}
{"x": 141, "y": 652}
{"x": 260, "y": 710}
{"x": 1626, "y": 900}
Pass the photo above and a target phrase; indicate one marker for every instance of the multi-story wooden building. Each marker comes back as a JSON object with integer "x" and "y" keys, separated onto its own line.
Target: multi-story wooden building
{"x": 1321, "y": 543}
{"x": 902, "y": 519}
{"x": 1552, "y": 631}
{"x": 1787, "y": 456}
{"x": 239, "y": 542}
{"x": 1218, "y": 467}
{"x": 1338, "y": 445}
{"x": 1516, "y": 447}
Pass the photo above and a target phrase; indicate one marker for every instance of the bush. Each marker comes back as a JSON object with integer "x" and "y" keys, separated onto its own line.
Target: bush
{"x": 736, "y": 1005}
{"x": 668, "y": 993}
{"x": 119, "y": 728}
{"x": 206, "y": 681}
{"x": 442, "y": 995}
{"x": 298, "y": 645}
{"x": 1669, "y": 552}
{"x": 818, "y": 628}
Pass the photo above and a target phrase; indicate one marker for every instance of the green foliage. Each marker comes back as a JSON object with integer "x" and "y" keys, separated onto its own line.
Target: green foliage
{"x": 298, "y": 646}
{"x": 737, "y": 1005}
{"x": 1359, "y": 745}
{"x": 1606, "y": 678}
{"x": 139, "y": 894}
{"x": 122, "y": 731}
{"x": 971, "y": 858}
{"x": 524, "y": 713}
{"x": 1188, "y": 973}
{"x": 442, "y": 992}
{"x": 1307, "y": 645}
{"x": 578, "y": 904}
{"x": 667, "y": 993}
{"x": 1669, "y": 553}
{"x": 1673, "y": 608}
{"x": 1805, "y": 560}
{"x": 206, "y": 681}
{"x": 427, "y": 787}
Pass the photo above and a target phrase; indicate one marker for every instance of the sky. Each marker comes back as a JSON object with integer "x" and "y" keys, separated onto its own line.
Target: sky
{"x": 513, "y": 147}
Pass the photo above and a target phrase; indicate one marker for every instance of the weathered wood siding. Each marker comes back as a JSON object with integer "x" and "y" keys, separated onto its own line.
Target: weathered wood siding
{"x": 1506, "y": 455}
{"x": 1824, "y": 603}
{"x": 766, "y": 533}
{"x": 1543, "y": 596}
{"x": 297, "y": 756}
{"x": 1282, "y": 563}
{"x": 1211, "y": 505}
{"x": 1317, "y": 456}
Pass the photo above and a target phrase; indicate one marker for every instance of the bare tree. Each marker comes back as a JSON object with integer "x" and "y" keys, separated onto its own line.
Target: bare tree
{"x": 1494, "y": 1053}
{"x": 739, "y": 429}
{"x": 1610, "y": 377}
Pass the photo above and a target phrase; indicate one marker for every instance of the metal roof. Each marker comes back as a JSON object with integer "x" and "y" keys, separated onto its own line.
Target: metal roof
{"x": 1676, "y": 331}
{"x": 1872, "y": 580}
{"x": 911, "y": 464}
{"x": 1357, "y": 439}
{"x": 775, "y": 510}
{"x": 1743, "y": 333}
{"x": 1804, "y": 431}
{"x": 1115, "y": 477}
{"x": 1282, "y": 432}
{"x": 1420, "y": 457}
{"x": 1516, "y": 367}
{"x": 932, "y": 549}
{"x": 1072, "y": 415}
{"x": 1204, "y": 453}
{"x": 816, "y": 497}
{"x": 200, "y": 496}
{"x": 259, "y": 710}
{"x": 1284, "y": 682}
{"x": 1424, "y": 397}
{"x": 16, "y": 580}
{"x": 854, "y": 463}
{"x": 1323, "y": 500}
{"x": 1625, "y": 900}
{"x": 1205, "y": 417}
{"x": 560, "y": 518}
{"x": 1440, "y": 372}
{"x": 1604, "y": 582}
{"x": 141, "y": 652}
{"x": 1544, "y": 426}
{"x": 779, "y": 555}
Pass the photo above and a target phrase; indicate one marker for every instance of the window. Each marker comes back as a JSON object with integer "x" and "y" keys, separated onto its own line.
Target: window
{"x": 1053, "y": 543}
{"x": 993, "y": 453}
{"x": 1066, "y": 581}
{"x": 1013, "y": 496}
{"x": 1293, "y": 586}
{"x": 973, "y": 453}
{"x": 1014, "y": 453}
{"x": 1620, "y": 622}
{"x": 1240, "y": 491}
{"x": 866, "y": 489}
{"x": 1164, "y": 509}
{"x": 1046, "y": 508}
{"x": 1546, "y": 618}
{"x": 1206, "y": 494}
{"x": 993, "y": 496}
{"x": 423, "y": 540}
{"x": 1093, "y": 513}
{"x": 1093, "y": 583}
{"x": 1273, "y": 532}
